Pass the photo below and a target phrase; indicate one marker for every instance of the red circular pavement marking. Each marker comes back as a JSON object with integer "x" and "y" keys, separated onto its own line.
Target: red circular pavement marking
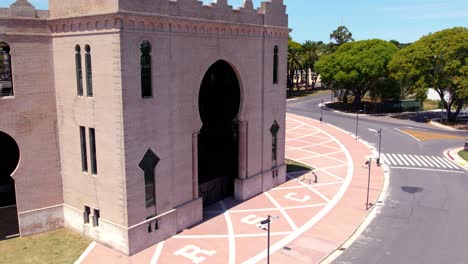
{"x": 233, "y": 236}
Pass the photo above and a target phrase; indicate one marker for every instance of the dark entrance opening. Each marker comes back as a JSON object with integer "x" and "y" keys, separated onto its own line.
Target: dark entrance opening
{"x": 219, "y": 102}
{"x": 9, "y": 156}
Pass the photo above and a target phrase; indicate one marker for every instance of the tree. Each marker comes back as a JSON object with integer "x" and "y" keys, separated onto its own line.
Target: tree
{"x": 294, "y": 61}
{"x": 310, "y": 54}
{"x": 340, "y": 36}
{"x": 356, "y": 67}
{"x": 437, "y": 61}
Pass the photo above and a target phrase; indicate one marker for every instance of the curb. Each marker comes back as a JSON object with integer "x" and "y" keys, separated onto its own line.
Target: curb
{"x": 371, "y": 213}
{"x": 453, "y": 155}
{"x": 439, "y": 125}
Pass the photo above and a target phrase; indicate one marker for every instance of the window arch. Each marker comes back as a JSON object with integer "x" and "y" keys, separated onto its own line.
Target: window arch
{"x": 6, "y": 77}
{"x": 145, "y": 66}
{"x": 79, "y": 71}
{"x": 274, "y": 140}
{"x": 89, "y": 72}
{"x": 275, "y": 65}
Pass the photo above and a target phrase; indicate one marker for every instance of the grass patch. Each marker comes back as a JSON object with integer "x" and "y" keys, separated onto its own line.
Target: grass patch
{"x": 294, "y": 166}
{"x": 430, "y": 105}
{"x": 302, "y": 93}
{"x": 463, "y": 154}
{"x": 54, "y": 247}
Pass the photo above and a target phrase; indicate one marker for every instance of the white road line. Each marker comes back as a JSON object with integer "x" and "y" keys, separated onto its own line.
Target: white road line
{"x": 407, "y": 134}
{"x": 422, "y": 162}
{"x": 408, "y": 159}
{"x": 157, "y": 253}
{"x": 86, "y": 253}
{"x": 451, "y": 164}
{"x": 301, "y": 187}
{"x": 426, "y": 169}
{"x": 276, "y": 209}
{"x": 236, "y": 236}
{"x": 286, "y": 216}
{"x": 429, "y": 163}
{"x": 232, "y": 241}
{"x": 414, "y": 159}
{"x": 434, "y": 163}
{"x": 403, "y": 159}
{"x": 445, "y": 163}
{"x": 439, "y": 162}
{"x": 397, "y": 159}
{"x": 389, "y": 157}
{"x": 279, "y": 245}
{"x": 316, "y": 192}
{"x": 383, "y": 159}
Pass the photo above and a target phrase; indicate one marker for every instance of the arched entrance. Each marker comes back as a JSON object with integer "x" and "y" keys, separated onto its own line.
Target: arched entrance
{"x": 9, "y": 155}
{"x": 219, "y": 102}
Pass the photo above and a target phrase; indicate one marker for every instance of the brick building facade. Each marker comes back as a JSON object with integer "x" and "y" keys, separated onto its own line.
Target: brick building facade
{"x": 123, "y": 119}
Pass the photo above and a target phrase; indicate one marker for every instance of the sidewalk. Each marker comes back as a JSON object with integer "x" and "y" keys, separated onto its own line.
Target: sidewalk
{"x": 314, "y": 218}
{"x": 453, "y": 155}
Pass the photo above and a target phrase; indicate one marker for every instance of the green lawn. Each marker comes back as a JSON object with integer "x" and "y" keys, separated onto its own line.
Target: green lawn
{"x": 59, "y": 246}
{"x": 463, "y": 154}
{"x": 430, "y": 105}
{"x": 294, "y": 166}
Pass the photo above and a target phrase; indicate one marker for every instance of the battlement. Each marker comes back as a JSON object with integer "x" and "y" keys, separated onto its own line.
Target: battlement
{"x": 271, "y": 12}
{"x": 22, "y": 9}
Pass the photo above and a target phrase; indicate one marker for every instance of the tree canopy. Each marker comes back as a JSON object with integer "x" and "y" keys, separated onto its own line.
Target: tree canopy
{"x": 437, "y": 61}
{"x": 357, "y": 66}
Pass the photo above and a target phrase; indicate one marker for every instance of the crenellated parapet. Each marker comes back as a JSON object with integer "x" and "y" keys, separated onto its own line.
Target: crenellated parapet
{"x": 22, "y": 18}
{"x": 271, "y": 13}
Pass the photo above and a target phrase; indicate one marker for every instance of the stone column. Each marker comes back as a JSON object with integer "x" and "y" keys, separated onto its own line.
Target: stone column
{"x": 243, "y": 159}
{"x": 195, "y": 164}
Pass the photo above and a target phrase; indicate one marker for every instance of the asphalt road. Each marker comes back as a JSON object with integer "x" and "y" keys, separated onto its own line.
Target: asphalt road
{"x": 424, "y": 218}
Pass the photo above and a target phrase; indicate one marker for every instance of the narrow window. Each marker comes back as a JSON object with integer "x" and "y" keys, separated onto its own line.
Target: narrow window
{"x": 87, "y": 212}
{"x": 96, "y": 217}
{"x": 6, "y": 79}
{"x": 89, "y": 72}
{"x": 79, "y": 71}
{"x": 274, "y": 136}
{"x": 92, "y": 150}
{"x": 275, "y": 65}
{"x": 148, "y": 165}
{"x": 84, "y": 156}
{"x": 145, "y": 65}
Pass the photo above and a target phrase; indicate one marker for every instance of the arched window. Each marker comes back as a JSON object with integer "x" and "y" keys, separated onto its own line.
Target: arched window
{"x": 79, "y": 71}
{"x": 89, "y": 72}
{"x": 145, "y": 65}
{"x": 275, "y": 65}
{"x": 6, "y": 79}
{"x": 274, "y": 136}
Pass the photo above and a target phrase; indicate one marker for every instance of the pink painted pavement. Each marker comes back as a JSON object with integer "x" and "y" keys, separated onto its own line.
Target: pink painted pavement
{"x": 314, "y": 218}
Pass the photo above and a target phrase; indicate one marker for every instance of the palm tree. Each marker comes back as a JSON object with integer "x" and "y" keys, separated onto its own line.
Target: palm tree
{"x": 311, "y": 53}
{"x": 294, "y": 63}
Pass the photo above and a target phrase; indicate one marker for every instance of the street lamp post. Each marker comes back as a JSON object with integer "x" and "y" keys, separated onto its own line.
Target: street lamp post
{"x": 357, "y": 122}
{"x": 369, "y": 164}
{"x": 379, "y": 132}
{"x": 321, "y": 111}
{"x": 267, "y": 222}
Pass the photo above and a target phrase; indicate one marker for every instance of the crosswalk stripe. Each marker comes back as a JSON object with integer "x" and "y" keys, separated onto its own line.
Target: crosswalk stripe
{"x": 427, "y": 161}
{"x": 419, "y": 158}
{"x": 389, "y": 158}
{"x": 403, "y": 159}
{"x": 446, "y": 162}
{"x": 414, "y": 159}
{"x": 397, "y": 159}
{"x": 408, "y": 159}
{"x": 441, "y": 164}
{"x": 435, "y": 163}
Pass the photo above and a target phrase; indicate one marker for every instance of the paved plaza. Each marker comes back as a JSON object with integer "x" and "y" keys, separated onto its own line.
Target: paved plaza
{"x": 315, "y": 218}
